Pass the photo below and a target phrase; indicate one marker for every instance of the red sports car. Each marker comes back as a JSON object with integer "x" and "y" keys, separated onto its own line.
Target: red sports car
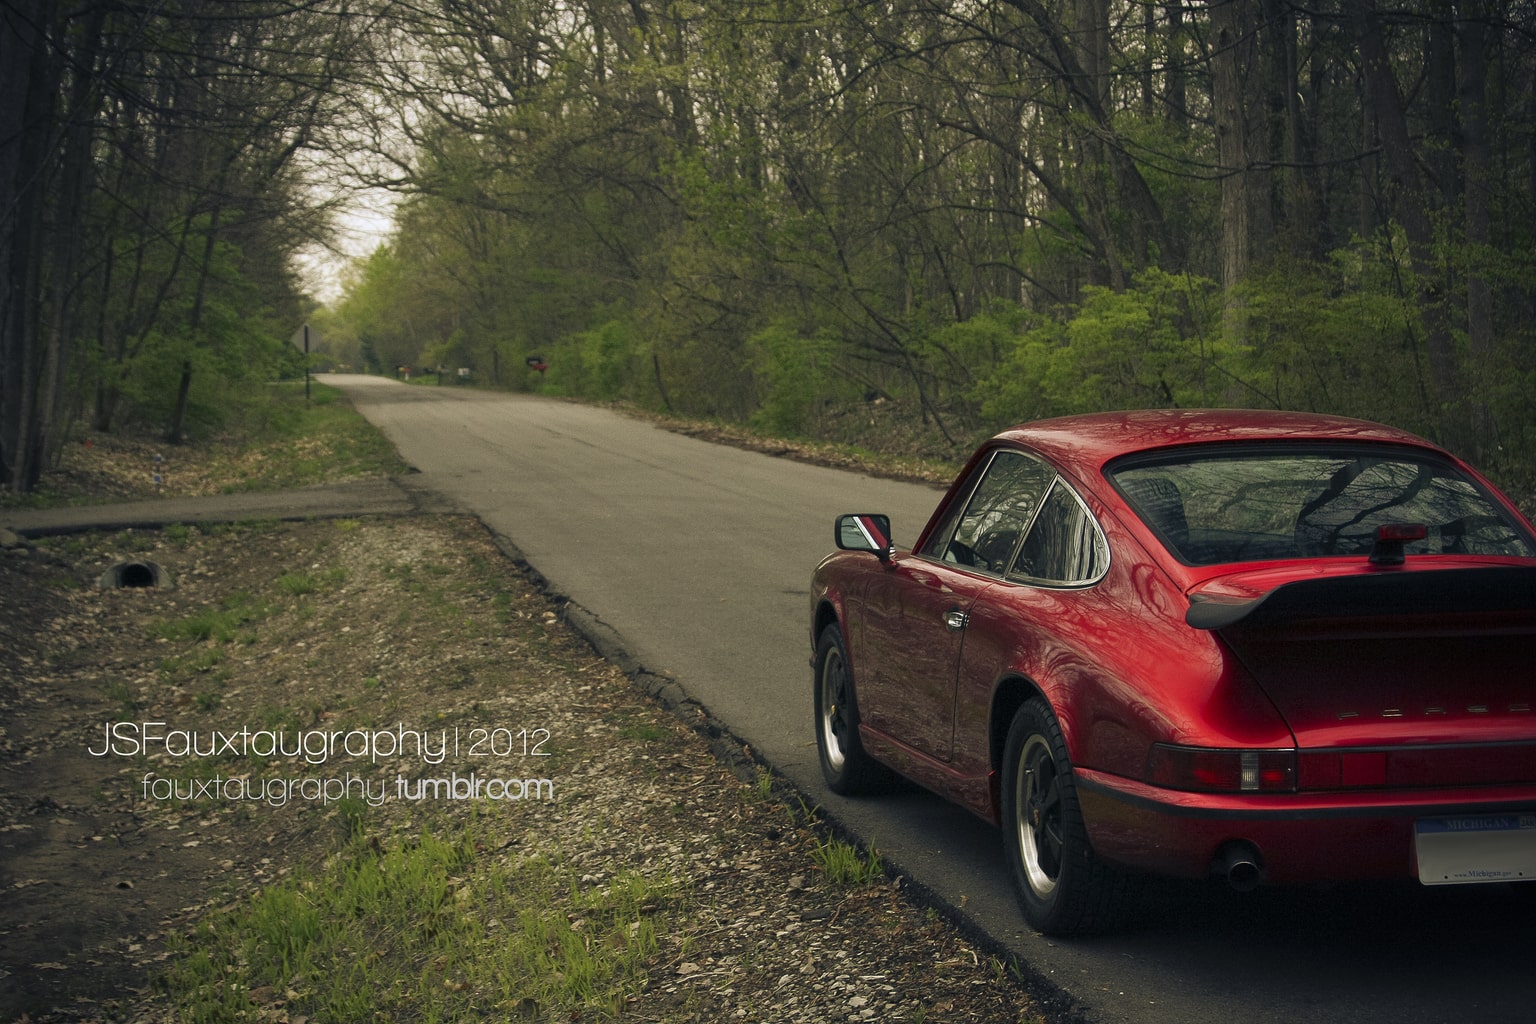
{"x": 1270, "y": 646}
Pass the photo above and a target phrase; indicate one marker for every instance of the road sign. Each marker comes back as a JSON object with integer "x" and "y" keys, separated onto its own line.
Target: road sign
{"x": 301, "y": 339}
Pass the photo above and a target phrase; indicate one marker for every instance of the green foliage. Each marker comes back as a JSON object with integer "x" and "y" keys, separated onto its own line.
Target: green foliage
{"x": 449, "y": 354}
{"x": 373, "y": 312}
{"x": 1155, "y": 344}
{"x": 609, "y": 361}
{"x": 794, "y": 376}
{"x": 219, "y": 335}
{"x": 980, "y": 343}
{"x": 1337, "y": 337}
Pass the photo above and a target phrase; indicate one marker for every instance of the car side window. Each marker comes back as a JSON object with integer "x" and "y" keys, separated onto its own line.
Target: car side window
{"x": 1001, "y": 507}
{"x": 1064, "y": 547}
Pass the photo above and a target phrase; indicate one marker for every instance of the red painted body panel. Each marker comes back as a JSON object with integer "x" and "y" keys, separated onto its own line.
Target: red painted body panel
{"x": 1391, "y": 705}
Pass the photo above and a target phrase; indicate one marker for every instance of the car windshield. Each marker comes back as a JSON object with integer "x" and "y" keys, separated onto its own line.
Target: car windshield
{"x": 1218, "y": 507}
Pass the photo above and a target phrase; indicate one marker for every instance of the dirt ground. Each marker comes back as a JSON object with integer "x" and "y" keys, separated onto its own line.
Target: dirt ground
{"x": 368, "y": 624}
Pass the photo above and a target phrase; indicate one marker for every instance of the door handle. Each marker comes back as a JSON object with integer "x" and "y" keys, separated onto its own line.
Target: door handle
{"x": 955, "y": 620}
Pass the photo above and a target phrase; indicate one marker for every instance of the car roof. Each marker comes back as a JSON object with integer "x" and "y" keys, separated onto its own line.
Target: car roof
{"x": 1091, "y": 440}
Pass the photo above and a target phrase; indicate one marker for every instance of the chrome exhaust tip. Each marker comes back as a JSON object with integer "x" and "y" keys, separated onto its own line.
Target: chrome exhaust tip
{"x": 1238, "y": 864}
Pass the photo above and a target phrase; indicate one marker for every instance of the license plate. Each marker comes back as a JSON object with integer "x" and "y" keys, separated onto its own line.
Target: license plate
{"x": 1457, "y": 850}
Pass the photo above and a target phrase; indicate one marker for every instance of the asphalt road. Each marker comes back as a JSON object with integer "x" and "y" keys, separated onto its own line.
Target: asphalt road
{"x": 698, "y": 557}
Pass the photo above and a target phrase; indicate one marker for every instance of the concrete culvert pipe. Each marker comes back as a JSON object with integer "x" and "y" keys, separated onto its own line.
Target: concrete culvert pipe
{"x": 134, "y": 574}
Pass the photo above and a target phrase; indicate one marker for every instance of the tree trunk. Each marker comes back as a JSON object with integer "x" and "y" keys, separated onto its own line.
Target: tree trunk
{"x": 1478, "y": 180}
{"x": 29, "y": 81}
{"x": 179, "y": 415}
{"x": 1177, "y": 77}
{"x": 1409, "y": 204}
{"x": 1293, "y": 202}
{"x": 1089, "y": 33}
{"x": 1232, "y": 53}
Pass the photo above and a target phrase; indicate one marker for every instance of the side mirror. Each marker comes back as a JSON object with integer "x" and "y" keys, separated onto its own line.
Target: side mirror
{"x": 865, "y": 532}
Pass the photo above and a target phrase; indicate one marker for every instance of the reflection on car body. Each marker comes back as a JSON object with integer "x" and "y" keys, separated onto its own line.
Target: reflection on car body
{"x": 1272, "y": 646}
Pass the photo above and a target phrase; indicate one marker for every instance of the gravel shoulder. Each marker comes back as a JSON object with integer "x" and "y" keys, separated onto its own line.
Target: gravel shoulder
{"x": 403, "y": 626}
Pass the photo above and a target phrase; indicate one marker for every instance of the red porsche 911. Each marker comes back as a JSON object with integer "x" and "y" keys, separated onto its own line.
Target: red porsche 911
{"x": 1268, "y": 646}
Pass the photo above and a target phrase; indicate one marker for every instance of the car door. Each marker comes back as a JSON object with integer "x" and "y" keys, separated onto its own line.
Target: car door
{"x": 1040, "y": 619}
{"x": 915, "y": 615}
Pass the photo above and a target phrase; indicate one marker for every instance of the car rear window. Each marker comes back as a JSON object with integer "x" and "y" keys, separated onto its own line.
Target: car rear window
{"x": 1217, "y": 507}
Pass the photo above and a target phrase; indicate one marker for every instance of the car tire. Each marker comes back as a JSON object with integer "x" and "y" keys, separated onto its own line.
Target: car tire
{"x": 849, "y": 771}
{"x": 1063, "y": 888}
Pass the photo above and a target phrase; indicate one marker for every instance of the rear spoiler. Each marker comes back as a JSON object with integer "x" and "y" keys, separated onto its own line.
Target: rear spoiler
{"x": 1494, "y": 590}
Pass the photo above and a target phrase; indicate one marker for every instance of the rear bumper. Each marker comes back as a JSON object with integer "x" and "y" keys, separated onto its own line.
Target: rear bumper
{"x": 1298, "y": 837}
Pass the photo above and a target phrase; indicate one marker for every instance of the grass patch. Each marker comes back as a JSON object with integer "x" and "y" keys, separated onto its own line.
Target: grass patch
{"x": 121, "y": 692}
{"x": 222, "y": 623}
{"x": 299, "y": 444}
{"x": 178, "y": 534}
{"x": 429, "y": 929}
{"x": 299, "y": 584}
{"x": 644, "y": 732}
{"x": 844, "y": 866}
{"x": 199, "y": 661}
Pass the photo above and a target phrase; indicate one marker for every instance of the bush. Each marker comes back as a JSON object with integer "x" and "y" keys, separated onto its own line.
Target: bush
{"x": 791, "y": 372}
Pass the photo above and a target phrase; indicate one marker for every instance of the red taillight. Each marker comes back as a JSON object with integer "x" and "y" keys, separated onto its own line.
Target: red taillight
{"x": 1204, "y": 770}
